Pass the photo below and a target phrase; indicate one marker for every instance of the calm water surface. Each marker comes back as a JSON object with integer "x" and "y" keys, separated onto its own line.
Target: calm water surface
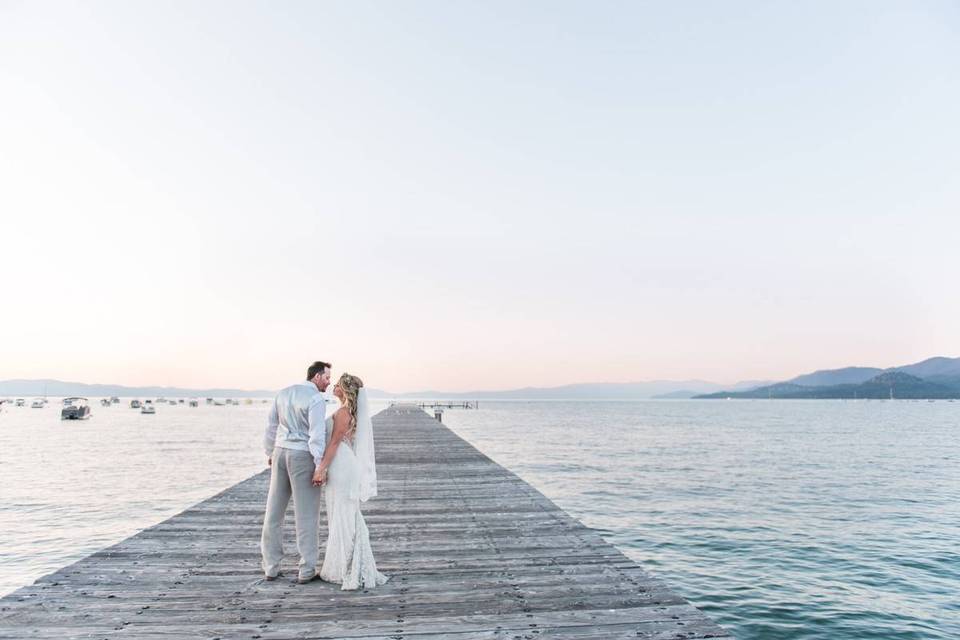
{"x": 782, "y": 519}
{"x": 779, "y": 519}
{"x": 71, "y": 488}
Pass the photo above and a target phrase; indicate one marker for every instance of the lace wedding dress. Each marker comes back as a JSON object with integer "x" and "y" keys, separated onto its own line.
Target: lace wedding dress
{"x": 348, "y": 559}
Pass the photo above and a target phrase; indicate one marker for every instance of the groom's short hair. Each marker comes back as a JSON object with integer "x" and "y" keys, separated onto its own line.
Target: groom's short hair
{"x": 317, "y": 367}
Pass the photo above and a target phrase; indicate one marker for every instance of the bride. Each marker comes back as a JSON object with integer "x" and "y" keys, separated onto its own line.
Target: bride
{"x": 349, "y": 472}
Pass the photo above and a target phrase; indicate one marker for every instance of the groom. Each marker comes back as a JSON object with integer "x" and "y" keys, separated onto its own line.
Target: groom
{"x": 294, "y": 444}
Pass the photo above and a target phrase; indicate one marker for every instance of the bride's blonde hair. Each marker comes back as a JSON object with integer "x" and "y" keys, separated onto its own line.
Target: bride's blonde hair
{"x": 350, "y": 386}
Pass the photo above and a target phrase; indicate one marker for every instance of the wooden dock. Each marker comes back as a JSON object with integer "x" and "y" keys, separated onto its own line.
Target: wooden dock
{"x": 448, "y": 404}
{"x": 473, "y": 553}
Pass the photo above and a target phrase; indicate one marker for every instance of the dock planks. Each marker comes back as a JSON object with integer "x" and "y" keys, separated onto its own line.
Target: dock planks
{"x": 473, "y": 553}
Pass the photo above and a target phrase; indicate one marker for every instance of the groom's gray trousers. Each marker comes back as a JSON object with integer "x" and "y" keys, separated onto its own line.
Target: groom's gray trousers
{"x": 292, "y": 475}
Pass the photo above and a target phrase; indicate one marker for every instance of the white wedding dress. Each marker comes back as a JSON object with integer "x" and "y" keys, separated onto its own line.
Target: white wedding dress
{"x": 348, "y": 560}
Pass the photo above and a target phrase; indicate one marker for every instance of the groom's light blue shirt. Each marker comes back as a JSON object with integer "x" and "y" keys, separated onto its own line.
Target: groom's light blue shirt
{"x": 297, "y": 421}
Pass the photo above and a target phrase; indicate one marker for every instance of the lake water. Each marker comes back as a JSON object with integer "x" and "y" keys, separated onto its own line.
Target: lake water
{"x": 779, "y": 519}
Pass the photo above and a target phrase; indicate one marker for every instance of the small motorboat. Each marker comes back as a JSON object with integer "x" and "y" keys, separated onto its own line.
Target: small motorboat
{"x": 114, "y": 400}
{"x": 38, "y": 403}
{"x": 135, "y": 404}
{"x": 180, "y": 401}
{"x": 21, "y": 402}
{"x": 194, "y": 403}
{"x": 148, "y": 408}
{"x": 75, "y": 409}
{"x": 104, "y": 402}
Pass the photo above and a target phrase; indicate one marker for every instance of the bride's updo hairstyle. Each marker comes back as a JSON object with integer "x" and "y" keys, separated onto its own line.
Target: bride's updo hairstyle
{"x": 350, "y": 386}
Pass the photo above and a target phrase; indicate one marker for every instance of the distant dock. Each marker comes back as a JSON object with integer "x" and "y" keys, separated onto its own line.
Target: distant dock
{"x": 472, "y": 550}
{"x": 444, "y": 404}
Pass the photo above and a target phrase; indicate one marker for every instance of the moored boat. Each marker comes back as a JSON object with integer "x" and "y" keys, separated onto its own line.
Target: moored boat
{"x": 75, "y": 409}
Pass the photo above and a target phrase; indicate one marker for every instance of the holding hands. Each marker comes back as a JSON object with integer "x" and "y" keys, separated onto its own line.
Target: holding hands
{"x": 319, "y": 476}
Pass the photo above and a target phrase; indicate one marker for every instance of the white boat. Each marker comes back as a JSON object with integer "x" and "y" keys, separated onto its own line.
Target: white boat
{"x": 148, "y": 408}
{"x": 104, "y": 402}
{"x": 135, "y": 404}
{"x": 38, "y": 403}
{"x": 75, "y": 409}
{"x": 114, "y": 400}
{"x": 194, "y": 403}
{"x": 21, "y": 402}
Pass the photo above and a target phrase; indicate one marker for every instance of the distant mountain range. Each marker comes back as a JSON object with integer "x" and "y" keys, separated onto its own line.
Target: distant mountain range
{"x": 934, "y": 378}
{"x": 58, "y": 388}
{"x": 589, "y": 391}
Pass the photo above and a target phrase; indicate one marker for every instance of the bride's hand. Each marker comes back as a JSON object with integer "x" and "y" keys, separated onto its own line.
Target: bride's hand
{"x": 319, "y": 476}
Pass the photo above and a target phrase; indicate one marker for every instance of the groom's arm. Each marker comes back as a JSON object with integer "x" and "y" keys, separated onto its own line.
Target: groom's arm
{"x": 317, "y": 416}
{"x": 273, "y": 422}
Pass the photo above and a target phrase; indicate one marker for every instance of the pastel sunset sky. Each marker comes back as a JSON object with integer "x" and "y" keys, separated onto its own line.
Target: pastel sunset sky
{"x": 476, "y": 195}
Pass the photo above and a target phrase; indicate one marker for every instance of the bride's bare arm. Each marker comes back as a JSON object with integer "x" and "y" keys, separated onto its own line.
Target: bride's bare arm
{"x": 341, "y": 423}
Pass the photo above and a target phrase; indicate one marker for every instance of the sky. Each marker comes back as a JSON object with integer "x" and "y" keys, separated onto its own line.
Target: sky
{"x": 476, "y": 195}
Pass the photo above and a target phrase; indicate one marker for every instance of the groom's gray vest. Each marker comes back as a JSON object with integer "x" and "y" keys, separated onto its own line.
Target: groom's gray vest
{"x": 293, "y": 410}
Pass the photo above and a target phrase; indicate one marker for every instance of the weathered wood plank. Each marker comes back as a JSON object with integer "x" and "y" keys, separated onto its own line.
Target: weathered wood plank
{"x": 473, "y": 553}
